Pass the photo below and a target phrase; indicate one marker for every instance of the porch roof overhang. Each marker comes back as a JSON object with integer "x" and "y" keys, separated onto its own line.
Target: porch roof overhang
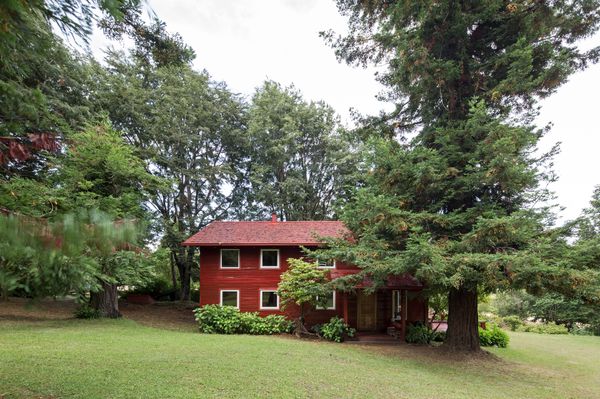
{"x": 393, "y": 282}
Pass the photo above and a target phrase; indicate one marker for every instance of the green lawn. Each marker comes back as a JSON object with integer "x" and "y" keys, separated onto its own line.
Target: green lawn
{"x": 122, "y": 359}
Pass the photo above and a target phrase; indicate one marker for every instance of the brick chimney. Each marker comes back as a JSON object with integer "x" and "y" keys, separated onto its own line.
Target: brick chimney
{"x": 273, "y": 217}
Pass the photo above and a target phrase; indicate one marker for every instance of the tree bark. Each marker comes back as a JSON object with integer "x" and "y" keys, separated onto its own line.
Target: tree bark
{"x": 174, "y": 276}
{"x": 106, "y": 301}
{"x": 463, "y": 332}
{"x": 183, "y": 260}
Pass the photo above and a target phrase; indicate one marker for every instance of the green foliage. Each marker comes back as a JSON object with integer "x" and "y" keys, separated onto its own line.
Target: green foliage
{"x": 513, "y": 322}
{"x": 157, "y": 287}
{"x": 303, "y": 284}
{"x": 42, "y": 97}
{"x": 85, "y": 311}
{"x": 71, "y": 254}
{"x": 100, "y": 170}
{"x": 437, "y": 56}
{"x": 457, "y": 206}
{"x": 438, "y": 336}
{"x": 336, "y": 330}
{"x": 588, "y": 225}
{"x": 493, "y": 336}
{"x": 302, "y": 159}
{"x": 568, "y": 311}
{"x": 418, "y": 334}
{"x": 517, "y": 303}
{"x": 543, "y": 328}
{"x": 73, "y": 17}
{"x": 216, "y": 319}
{"x": 189, "y": 131}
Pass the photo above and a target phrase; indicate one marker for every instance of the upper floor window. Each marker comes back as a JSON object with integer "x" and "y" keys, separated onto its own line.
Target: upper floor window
{"x": 230, "y": 259}
{"x": 269, "y": 258}
{"x": 326, "y": 264}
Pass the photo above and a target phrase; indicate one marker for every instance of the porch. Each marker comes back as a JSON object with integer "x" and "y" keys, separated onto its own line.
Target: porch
{"x": 383, "y": 315}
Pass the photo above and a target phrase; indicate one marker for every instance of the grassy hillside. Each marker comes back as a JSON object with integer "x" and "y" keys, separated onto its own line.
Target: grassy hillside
{"x": 123, "y": 359}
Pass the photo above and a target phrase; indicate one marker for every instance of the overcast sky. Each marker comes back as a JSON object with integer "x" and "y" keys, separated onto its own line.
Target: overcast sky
{"x": 244, "y": 42}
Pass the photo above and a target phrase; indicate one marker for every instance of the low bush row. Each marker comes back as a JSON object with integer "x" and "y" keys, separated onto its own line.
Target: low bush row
{"x": 515, "y": 323}
{"x": 216, "y": 319}
{"x": 543, "y": 328}
{"x": 422, "y": 334}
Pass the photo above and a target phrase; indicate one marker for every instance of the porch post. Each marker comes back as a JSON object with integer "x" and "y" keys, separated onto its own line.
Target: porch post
{"x": 345, "y": 306}
{"x": 403, "y": 314}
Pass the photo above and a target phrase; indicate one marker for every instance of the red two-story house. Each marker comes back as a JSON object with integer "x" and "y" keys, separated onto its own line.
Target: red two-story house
{"x": 241, "y": 264}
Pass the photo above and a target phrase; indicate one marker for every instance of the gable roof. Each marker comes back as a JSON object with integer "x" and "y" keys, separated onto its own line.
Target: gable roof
{"x": 226, "y": 233}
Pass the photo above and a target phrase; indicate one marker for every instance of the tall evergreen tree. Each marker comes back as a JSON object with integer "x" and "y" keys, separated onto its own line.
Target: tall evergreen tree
{"x": 455, "y": 206}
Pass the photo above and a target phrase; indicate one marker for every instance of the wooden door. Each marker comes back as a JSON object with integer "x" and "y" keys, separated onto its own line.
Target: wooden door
{"x": 367, "y": 311}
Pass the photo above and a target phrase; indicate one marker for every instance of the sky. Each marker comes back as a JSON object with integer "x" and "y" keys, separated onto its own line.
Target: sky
{"x": 244, "y": 42}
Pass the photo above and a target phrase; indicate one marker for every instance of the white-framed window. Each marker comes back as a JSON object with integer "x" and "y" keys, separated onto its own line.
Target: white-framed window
{"x": 269, "y": 300}
{"x": 326, "y": 264}
{"x": 230, "y": 258}
{"x": 330, "y": 304}
{"x": 230, "y": 298}
{"x": 269, "y": 259}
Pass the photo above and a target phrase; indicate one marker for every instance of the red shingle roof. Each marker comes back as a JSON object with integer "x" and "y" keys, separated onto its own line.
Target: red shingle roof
{"x": 222, "y": 233}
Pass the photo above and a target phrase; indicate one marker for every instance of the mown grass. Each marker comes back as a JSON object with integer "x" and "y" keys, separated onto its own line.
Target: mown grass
{"x": 122, "y": 359}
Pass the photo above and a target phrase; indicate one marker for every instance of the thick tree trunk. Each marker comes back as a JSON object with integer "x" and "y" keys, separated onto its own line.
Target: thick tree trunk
{"x": 106, "y": 300}
{"x": 463, "y": 333}
{"x": 183, "y": 260}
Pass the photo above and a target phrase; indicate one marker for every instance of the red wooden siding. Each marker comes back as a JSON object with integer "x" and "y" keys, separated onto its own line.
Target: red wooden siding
{"x": 250, "y": 279}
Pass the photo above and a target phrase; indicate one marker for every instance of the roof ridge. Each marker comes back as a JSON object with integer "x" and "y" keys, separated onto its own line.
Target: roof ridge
{"x": 279, "y": 221}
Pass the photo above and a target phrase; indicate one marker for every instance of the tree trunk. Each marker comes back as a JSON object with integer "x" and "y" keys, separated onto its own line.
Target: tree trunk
{"x": 183, "y": 259}
{"x": 463, "y": 332}
{"x": 174, "y": 277}
{"x": 106, "y": 301}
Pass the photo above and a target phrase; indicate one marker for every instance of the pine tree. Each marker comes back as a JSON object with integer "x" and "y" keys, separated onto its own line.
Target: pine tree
{"x": 456, "y": 205}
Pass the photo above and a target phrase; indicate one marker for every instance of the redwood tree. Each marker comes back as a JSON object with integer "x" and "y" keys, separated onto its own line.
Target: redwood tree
{"x": 456, "y": 204}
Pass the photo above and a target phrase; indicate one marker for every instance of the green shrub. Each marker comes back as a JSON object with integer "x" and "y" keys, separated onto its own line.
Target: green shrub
{"x": 158, "y": 288}
{"x": 543, "y": 328}
{"x": 512, "y": 322}
{"x": 85, "y": 311}
{"x": 493, "y": 336}
{"x": 418, "y": 333}
{"x": 216, "y": 319}
{"x": 581, "y": 329}
{"x": 438, "y": 336}
{"x": 336, "y": 330}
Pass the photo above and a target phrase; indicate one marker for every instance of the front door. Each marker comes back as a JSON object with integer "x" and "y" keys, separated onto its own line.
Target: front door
{"x": 367, "y": 311}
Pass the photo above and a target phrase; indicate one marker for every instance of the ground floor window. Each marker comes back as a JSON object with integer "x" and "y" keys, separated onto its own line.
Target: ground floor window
{"x": 269, "y": 299}
{"x": 230, "y": 298}
{"x": 330, "y": 304}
